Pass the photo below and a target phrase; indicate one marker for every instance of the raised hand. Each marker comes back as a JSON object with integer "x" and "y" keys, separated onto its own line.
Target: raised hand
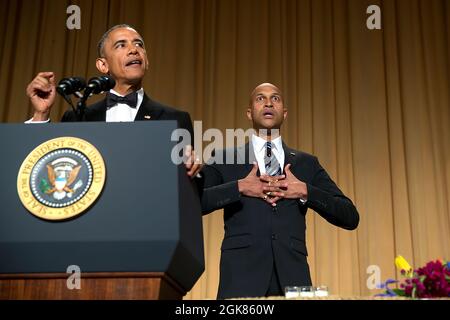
{"x": 42, "y": 92}
{"x": 275, "y": 193}
{"x": 251, "y": 186}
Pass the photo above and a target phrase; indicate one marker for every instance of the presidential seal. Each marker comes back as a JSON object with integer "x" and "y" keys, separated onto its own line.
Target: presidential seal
{"x": 61, "y": 178}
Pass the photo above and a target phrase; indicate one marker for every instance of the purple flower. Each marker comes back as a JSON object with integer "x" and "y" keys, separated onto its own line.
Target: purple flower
{"x": 430, "y": 281}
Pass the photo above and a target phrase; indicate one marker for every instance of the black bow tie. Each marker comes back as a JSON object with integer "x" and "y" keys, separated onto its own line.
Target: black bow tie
{"x": 130, "y": 99}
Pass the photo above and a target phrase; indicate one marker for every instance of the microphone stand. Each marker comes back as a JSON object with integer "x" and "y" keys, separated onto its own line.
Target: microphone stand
{"x": 95, "y": 85}
{"x": 81, "y": 105}
{"x": 67, "y": 98}
{"x": 81, "y": 108}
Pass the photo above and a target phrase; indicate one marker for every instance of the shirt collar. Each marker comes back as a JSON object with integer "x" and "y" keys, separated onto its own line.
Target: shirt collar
{"x": 140, "y": 96}
{"x": 259, "y": 143}
{"x": 140, "y": 92}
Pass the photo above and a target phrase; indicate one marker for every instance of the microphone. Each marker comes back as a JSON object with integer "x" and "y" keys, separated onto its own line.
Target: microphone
{"x": 67, "y": 86}
{"x": 95, "y": 86}
{"x": 99, "y": 84}
{"x": 71, "y": 85}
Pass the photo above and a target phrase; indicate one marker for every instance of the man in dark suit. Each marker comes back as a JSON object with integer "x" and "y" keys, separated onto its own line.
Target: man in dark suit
{"x": 121, "y": 55}
{"x": 264, "y": 247}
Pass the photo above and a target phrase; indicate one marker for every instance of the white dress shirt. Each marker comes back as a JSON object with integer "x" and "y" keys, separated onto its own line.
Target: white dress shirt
{"x": 122, "y": 112}
{"x": 259, "y": 147}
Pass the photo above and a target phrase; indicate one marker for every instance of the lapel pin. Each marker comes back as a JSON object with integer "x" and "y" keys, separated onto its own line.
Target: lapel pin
{"x": 292, "y": 153}
{"x": 148, "y": 117}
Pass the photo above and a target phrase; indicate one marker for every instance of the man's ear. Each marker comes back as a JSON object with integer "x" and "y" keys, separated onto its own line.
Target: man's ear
{"x": 249, "y": 114}
{"x": 146, "y": 63}
{"x": 102, "y": 65}
{"x": 284, "y": 113}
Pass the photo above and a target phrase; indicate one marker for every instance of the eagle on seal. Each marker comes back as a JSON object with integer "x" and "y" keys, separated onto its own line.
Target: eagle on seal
{"x": 61, "y": 183}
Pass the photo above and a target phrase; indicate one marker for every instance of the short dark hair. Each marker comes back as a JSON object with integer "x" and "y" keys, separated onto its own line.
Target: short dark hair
{"x": 101, "y": 43}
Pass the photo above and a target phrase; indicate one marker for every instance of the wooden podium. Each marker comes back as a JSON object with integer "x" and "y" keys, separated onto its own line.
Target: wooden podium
{"x": 94, "y": 286}
{"x": 141, "y": 239}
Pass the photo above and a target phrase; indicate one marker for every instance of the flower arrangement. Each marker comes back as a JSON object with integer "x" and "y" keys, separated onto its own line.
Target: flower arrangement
{"x": 430, "y": 281}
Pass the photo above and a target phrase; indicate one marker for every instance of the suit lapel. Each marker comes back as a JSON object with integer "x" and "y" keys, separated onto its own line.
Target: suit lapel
{"x": 289, "y": 156}
{"x": 149, "y": 110}
{"x": 295, "y": 159}
{"x": 97, "y": 111}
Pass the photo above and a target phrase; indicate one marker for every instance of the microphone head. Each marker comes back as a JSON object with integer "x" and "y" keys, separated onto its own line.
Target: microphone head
{"x": 101, "y": 84}
{"x": 78, "y": 83}
{"x": 108, "y": 83}
{"x": 70, "y": 85}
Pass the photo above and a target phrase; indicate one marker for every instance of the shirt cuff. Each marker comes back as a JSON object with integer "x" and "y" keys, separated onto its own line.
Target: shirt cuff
{"x": 31, "y": 121}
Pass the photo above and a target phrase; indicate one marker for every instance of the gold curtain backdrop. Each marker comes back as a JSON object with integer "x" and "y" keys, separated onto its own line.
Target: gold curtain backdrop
{"x": 373, "y": 105}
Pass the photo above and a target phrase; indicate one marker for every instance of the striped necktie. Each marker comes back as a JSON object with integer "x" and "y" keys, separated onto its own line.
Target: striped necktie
{"x": 272, "y": 165}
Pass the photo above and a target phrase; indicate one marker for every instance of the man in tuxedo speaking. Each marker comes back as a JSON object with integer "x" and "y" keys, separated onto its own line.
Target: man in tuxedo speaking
{"x": 265, "y": 204}
{"x": 122, "y": 56}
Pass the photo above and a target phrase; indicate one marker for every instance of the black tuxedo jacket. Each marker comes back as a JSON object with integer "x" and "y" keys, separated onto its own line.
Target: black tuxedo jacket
{"x": 149, "y": 110}
{"x": 257, "y": 234}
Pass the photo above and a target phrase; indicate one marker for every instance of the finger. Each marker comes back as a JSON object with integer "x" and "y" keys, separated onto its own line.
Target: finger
{"x": 38, "y": 91}
{"x": 272, "y": 189}
{"x": 47, "y": 82}
{"x": 188, "y": 151}
{"x": 52, "y": 79}
{"x": 197, "y": 158}
{"x": 52, "y": 93}
{"x": 189, "y": 164}
{"x": 271, "y": 179}
{"x": 275, "y": 186}
{"x": 190, "y": 172}
{"x": 275, "y": 194}
{"x": 273, "y": 201}
{"x": 41, "y": 85}
{"x": 254, "y": 169}
{"x": 41, "y": 81}
{"x": 287, "y": 169}
{"x": 189, "y": 157}
{"x": 189, "y": 169}
{"x": 47, "y": 77}
{"x": 194, "y": 170}
{"x": 197, "y": 169}
{"x": 46, "y": 74}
